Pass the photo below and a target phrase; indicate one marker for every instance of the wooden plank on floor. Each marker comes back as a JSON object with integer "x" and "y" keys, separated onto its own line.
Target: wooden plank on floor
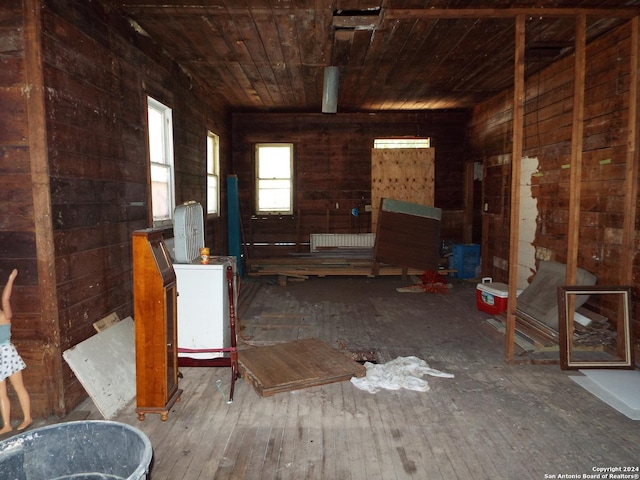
{"x": 294, "y": 365}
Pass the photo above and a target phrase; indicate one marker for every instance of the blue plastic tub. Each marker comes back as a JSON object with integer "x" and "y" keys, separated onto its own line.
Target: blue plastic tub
{"x": 466, "y": 259}
{"x": 84, "y": 450}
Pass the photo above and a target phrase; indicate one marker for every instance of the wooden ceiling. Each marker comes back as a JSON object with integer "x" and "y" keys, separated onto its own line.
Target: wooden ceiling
{"x": 269, "y": 55}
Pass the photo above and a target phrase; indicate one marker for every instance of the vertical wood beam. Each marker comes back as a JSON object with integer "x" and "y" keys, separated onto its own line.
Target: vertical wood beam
{"x": 575, "y": 176}
{"x": 631, "y": 174}
{"x": 516, "y": 167}
{"x": 39, "y": 163}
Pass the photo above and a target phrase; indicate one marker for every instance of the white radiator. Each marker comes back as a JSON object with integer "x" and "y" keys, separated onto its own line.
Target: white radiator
{"x": 319, "y": 241}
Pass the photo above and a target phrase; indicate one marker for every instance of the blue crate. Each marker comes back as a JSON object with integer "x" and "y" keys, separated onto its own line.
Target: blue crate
{"x": 466, "y": 259}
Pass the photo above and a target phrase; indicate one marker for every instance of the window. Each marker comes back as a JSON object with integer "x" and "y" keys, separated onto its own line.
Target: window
{"x": 402, "y": 143}
{"x": 274, "y": 178}
{"x": 161, "y": 158}
{"x": 213, "y": 173}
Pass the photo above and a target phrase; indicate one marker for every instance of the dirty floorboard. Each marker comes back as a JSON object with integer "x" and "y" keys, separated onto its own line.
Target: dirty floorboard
{"x": 492, "y": 421}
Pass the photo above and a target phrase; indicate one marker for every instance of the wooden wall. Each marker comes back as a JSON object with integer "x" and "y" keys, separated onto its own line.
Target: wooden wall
{"x": 72, "y": 243}
{"x": 547, "y": 136}
{"x": 333, "y": 171}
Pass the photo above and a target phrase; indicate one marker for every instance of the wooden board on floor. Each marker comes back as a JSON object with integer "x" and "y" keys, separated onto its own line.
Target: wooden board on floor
{"x": 295, "y": 365}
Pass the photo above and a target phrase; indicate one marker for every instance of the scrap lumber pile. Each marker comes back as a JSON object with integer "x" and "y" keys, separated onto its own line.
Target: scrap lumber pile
{"x": 322, "y": 265}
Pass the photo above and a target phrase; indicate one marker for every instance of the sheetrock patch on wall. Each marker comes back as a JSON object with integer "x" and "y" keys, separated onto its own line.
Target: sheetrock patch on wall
{"x": 105, "y": 365}
{"x": 528, "y": 222}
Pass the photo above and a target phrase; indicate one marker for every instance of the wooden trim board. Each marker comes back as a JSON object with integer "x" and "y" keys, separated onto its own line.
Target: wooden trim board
{"x": 294, "y": 365}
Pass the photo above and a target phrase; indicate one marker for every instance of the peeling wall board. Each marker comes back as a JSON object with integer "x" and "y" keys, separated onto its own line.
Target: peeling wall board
{"x": 528, "y": 223}
{"x": 105, "y": 365}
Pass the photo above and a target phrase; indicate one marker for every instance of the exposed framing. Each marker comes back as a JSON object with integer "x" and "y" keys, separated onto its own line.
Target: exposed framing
{"x": 576, "y": 159}
{"x": 624, "y": 354}
{"x": 516, "y": 168}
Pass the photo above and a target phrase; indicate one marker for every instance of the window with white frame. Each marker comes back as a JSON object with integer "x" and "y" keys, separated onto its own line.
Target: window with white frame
{"x": 408, "y": 142}
{"x": 161, "y": 161}
{"x": 274, "y": 178}
{"x": 213, "y": 174}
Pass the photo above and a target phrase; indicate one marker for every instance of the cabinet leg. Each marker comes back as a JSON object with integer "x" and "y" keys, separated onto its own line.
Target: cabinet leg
{"x": 141, "y": 416}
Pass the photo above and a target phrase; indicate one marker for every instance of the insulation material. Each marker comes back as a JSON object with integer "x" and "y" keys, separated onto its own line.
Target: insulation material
{"x": 402, "y": 372}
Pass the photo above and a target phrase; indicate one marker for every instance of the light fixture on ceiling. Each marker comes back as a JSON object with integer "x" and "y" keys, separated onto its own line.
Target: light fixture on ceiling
{"x": 330, "y": 90}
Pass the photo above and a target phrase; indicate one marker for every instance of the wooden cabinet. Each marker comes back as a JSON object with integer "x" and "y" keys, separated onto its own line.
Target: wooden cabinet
{"x": 154, "y": 307}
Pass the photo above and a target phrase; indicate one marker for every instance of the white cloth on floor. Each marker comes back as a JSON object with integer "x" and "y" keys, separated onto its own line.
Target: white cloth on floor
{"x": 402, "y": 372}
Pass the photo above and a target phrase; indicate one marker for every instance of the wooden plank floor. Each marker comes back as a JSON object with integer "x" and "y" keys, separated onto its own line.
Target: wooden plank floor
{"x": 492, "y": 421}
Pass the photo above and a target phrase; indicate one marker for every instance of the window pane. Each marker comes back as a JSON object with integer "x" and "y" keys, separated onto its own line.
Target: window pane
{"x": 274, "y": 195}
{"x": 156, "y": 141}
{"x": 401, "y": 143}
{"x": 160, "y": 191}
{"x": 212, "y": 153}
{"x": 213, "y": 166}
{"x": 274, "y": 182}
{"x": 274, "y": 162}
{"x": 212, "y": 194}
{"x": 160, "y": 130}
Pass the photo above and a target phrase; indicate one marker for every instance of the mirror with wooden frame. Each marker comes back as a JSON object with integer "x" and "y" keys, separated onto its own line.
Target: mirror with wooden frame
{"x": 597, "y": 335}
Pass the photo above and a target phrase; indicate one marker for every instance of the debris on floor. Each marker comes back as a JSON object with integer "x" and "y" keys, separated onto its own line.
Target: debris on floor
{"x": 402, "y": 372}
{"x": 431, "y": 282}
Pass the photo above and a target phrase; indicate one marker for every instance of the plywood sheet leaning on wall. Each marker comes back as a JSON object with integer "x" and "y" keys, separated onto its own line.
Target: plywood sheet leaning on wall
{"x": 105, "y": 364}
{"x": 408, "y": 235}
{"x": 406, "y": 174}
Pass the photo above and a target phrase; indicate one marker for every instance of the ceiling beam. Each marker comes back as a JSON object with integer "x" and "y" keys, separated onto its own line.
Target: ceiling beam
{"x": 453, "y": 13}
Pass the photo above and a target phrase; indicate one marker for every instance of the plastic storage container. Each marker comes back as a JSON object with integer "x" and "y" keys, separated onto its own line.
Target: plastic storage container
{"x": 465, "y": 259}
{"x": 85, "y": 450}
{"x": 491, "y": 297}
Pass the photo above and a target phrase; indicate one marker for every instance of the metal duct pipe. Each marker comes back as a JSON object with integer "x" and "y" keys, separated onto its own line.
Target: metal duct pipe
{"x": 330, "y": 90}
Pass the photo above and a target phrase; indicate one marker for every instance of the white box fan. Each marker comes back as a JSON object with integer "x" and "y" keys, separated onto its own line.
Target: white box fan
{"x": 188, "y": 231}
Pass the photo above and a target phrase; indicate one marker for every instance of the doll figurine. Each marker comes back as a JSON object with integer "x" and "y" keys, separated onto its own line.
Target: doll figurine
{"x": 11, "y": 365}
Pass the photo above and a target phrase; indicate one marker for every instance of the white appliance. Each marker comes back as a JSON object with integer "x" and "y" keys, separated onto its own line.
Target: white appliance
{"x": 203, "y": 306}
{"x": 203, "y": 294}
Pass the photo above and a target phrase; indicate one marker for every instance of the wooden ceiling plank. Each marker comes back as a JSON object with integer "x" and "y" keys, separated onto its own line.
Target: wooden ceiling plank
{"x": 394, "y": 60}
{"x": 372, "y": 64}
{"x": 243, "y": 57}
{"x": 254, "y": 40}
{"x": 477, "y": 60}
{"x": 350, "y": 87}
{"x": 446, "y": 34}
{"x": 315, "y": 54}
{"x": 455, "y": 13}
{"x": 288, "y": 34}
{"x": 410, "y": 68}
